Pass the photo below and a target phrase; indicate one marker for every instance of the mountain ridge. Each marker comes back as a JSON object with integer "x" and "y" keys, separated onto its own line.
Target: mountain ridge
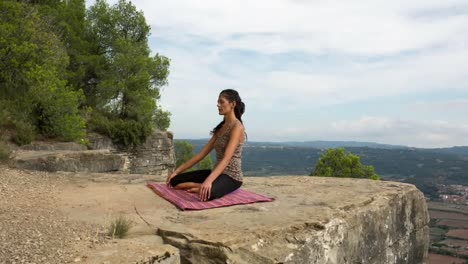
{"x": 321, "y": 144}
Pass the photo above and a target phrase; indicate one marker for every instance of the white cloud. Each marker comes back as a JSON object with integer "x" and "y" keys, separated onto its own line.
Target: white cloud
{"x": 455, "y": 105}
{"x": 426, "y": 134}
{"x": 358, "y": 27}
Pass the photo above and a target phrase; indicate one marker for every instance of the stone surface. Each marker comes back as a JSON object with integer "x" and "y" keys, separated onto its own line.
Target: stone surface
{"x": 312, "y": 220}
{"x": 98, "y": 141}
{"x": 156, "y": 156}
{"x": 74, "y": 161}
{"x": 53, "y": 146}
{"x": 147, "y": 249}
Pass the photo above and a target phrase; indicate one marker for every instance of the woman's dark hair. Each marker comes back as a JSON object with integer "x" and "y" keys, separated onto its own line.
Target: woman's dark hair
{"x": 232, "y": 96}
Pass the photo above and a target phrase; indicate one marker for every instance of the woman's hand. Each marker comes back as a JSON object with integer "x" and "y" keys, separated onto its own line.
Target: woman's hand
{"x": 169, "y": 177}
{"x": 205, "y": 190}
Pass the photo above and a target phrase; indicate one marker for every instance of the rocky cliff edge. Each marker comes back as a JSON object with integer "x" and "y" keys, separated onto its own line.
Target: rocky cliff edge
{"x": 312, "y": 220}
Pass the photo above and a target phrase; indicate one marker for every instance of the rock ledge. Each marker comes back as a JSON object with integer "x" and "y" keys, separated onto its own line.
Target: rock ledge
{"x": 312, "y": 220}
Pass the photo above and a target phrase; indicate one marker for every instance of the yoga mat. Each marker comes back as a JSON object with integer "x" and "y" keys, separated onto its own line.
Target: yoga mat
{"x": 189, "y": 201}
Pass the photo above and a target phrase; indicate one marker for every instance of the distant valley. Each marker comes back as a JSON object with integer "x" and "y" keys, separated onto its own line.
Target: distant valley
{"x": 422, "y": 167}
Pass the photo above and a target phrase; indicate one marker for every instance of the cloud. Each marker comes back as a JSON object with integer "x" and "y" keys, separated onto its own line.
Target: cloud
{"x": 435, "y": 133}
{"x": 413, "y": 133}
{"x": 356, "y": 27}
{"x": 292, "y": 60}
{"x": 455, "y": 105}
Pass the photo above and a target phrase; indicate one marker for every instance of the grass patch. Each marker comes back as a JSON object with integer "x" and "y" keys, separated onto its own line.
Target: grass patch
{"x": 119, "y": 227}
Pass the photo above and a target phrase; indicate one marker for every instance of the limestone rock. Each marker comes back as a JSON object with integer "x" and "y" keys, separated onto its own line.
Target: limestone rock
{"x": 156, "y": 156}
{"x": 313, "y": 220}
{"x": 74, "y": 161}
{"x": 53, "y": 146}
{"x": 143, "y": 250}
{"x": 98, "y": 141}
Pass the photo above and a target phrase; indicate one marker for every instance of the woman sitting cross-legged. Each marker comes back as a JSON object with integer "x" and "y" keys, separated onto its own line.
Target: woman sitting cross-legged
{"x": 227, "y": 140}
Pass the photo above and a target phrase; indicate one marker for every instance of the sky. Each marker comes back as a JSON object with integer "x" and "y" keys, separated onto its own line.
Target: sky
{"x": 393, "y": 72}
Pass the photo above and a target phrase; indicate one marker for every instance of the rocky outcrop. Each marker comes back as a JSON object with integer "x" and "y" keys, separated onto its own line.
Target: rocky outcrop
{"x": 98, "y": 141}
{"x": 73, "y": 161}
{"x": 156, "y": 156}
{"x": 53, "y": 146}
{"x": 312, "y": 220}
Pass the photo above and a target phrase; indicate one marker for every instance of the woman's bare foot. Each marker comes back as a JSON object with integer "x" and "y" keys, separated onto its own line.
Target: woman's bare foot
{"x": 187, "y": 185}
{"x": 194, "y": 190}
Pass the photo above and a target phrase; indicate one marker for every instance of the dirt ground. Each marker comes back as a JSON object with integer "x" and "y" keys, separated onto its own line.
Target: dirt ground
{"x": 31, "y": 229}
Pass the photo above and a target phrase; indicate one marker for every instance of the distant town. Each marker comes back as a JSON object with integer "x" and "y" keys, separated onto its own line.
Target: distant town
{"x": 455, "y": 194}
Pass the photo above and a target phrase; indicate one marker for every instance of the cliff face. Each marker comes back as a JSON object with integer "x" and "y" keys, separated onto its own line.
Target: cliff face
{"x": 312, "y": 220}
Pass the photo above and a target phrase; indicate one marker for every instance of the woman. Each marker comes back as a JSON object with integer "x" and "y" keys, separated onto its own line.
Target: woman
{"x": 227, "y": 140}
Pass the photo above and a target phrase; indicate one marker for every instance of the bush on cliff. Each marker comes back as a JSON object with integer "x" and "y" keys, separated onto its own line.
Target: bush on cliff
{"x": 338, "y": 163}
{"x": 4, "y": 151}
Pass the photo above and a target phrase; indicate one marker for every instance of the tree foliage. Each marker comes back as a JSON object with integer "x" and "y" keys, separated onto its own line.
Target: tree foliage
{"x": 64, "y": 68}
{"x": 129, "y": 78}
{"x": 205, "y": 163}
{"x": 32, "y": 87}
{"x": 338, "y": 163}
{"x": 183, "y": 152}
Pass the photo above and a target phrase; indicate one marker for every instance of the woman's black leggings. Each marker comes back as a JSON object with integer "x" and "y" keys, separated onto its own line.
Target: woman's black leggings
{"x": 221, "y": 186}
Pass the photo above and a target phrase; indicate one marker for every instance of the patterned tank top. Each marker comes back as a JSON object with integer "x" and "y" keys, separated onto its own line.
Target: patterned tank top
{"x": 233, "y": 169}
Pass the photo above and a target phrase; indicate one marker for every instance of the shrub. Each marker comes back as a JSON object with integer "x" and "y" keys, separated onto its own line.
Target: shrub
{"x": 125, "y": 132}
{"x": 119, "y": 227}
{"x": 56, "y": 111}
{"x": 24, "y": 133}
{"x": 338, "y": 163}
{"x": 4, "y": 152}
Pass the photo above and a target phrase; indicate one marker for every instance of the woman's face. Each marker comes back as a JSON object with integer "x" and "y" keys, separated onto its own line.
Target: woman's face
{"x": 224, "y": 106}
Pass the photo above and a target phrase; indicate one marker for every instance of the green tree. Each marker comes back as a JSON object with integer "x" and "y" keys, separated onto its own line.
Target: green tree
{"x": 205, "y": 163}
{"x": 68, "y": 20}
{"x": 183, "y": 151}
{"x": 125, "y": 88}
{"x": 338, "y": 163}
{"x": 32, "y": 90}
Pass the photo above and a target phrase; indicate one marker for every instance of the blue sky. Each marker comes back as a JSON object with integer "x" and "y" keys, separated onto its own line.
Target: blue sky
{"x": 392, "y": 72}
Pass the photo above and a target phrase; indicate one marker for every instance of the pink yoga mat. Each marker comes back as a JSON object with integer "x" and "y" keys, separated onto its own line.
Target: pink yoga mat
{"x": 189, "y": 201}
